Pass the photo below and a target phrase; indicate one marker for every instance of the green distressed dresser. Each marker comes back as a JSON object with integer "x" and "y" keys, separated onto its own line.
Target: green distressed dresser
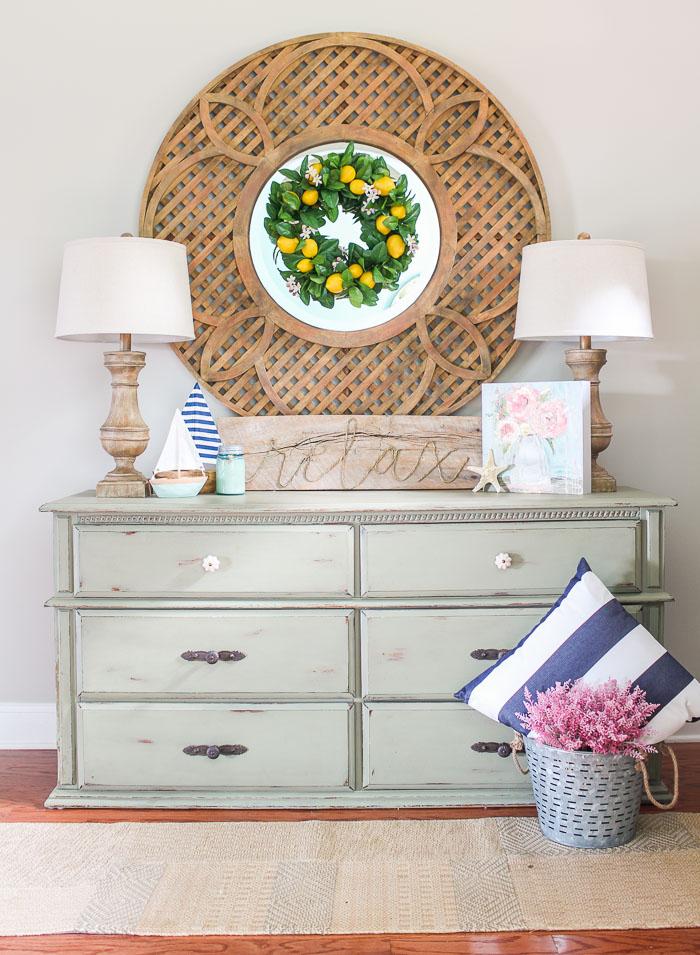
{"x": 301, "y": 649}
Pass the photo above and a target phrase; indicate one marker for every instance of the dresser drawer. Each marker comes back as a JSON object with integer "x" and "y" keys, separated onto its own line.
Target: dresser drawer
{"x": 426, "y": 654}
{"x": 140, "y": 653}
{"x": 453, "y": 559}
{"x": 428, "y": 746}
{"x": 312, "y": 560}
{"x": 289, "y": 746}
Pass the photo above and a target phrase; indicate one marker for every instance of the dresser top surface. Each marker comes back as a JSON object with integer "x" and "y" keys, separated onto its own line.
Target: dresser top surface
{"x": 354, "y": 502}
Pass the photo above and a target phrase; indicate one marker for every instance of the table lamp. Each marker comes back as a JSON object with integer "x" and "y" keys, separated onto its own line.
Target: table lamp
{"x": 583, "y": 289}
{"x": 113, "y": 289}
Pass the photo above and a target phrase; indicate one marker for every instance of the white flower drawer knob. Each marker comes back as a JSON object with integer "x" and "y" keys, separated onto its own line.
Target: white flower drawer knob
{"x": 211, "y": 564}
{"x": 503, "y": 561}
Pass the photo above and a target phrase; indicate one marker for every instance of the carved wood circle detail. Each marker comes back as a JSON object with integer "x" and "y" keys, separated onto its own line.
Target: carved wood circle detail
{"x": 432, "y": 358}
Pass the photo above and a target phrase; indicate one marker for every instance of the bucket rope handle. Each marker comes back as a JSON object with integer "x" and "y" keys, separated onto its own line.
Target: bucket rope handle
{"x": 641, "y": 766}
{"x": 516, "y": 747}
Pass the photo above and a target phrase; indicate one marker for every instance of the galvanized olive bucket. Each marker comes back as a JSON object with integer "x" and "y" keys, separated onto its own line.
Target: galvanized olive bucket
{"x": 586, "y": 800}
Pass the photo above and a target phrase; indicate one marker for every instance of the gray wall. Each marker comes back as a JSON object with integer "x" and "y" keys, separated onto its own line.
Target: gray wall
{"x": 604, "y": 92}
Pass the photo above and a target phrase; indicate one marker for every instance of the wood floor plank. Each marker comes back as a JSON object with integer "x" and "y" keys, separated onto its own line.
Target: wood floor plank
{"x": 481, "y": 943}
{"x": 683, "y": 941}
{"x": 200, "y": 945}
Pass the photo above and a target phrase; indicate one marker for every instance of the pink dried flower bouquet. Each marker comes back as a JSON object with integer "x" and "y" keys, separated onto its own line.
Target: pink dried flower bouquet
{"x": 603, "y": 719}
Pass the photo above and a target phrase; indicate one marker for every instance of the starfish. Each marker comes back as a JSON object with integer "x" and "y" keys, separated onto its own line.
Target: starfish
{"x": 488, "y": 474}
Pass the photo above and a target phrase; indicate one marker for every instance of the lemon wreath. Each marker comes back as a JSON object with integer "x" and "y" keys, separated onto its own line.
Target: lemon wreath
{"x": 319, "y": 268}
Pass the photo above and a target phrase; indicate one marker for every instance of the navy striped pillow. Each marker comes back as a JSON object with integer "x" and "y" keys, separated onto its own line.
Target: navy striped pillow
{"x": 587, "y": 634}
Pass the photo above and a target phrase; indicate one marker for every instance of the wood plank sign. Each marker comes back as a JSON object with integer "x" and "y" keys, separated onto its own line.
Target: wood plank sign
{"x": 364, "y": 452}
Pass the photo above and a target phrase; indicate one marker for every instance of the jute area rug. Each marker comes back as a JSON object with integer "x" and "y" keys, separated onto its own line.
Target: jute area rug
{"x": 228, "y": 878}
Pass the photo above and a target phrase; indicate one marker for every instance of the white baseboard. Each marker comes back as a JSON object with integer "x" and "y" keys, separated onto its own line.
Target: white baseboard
{"x": 27, "y": 726}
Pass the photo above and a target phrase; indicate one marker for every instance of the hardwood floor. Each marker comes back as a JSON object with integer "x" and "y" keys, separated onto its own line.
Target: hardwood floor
{"x": 26, "y": 778}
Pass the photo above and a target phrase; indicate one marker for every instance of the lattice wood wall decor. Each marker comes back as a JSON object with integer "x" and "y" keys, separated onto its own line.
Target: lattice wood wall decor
{"x": 481, "y": 174}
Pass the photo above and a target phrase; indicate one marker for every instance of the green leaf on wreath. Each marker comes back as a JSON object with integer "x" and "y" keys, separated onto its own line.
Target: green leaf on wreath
{"x": 355, "y": 296}
{"x": 348, "y": 154}
{"x": 312, "y": 219}
{"x": 287, "y": 230}
{"x": 369, "y": 296}
{"x": 291, "y": 199}
{"x": 291, "y": 260}
{"x": 330, "y": 197}
{"x": 380, "y": 253}
{"x": 304, "y": 294}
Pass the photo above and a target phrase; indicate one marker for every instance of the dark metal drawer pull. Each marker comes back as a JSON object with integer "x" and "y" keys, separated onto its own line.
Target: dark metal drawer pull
{"x": 213, "y": 656}
{"x": 213, "y": 752}
{"x": 503, "y": 749}
{"x": 488, "y": 654}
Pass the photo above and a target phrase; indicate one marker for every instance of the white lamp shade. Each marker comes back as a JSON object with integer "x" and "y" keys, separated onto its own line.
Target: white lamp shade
{"x": 595, "y": 287}
{"x": 125, "y": 285}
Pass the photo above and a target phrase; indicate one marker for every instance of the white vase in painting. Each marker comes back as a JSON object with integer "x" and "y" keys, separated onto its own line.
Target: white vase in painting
{"x": 529, "y": 470}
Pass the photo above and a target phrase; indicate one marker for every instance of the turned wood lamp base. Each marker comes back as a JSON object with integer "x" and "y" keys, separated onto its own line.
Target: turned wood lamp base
{"x": 124, "y": 434}
{"x": 585, "y": 364}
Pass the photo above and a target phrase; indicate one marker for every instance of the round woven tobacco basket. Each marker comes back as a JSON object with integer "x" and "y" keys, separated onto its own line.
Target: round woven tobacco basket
{"x": 482, "y": 177}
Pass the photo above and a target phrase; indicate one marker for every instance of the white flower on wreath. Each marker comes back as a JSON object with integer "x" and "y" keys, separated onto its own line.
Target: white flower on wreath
{"x": 293, "y": 286}
{"x": 412, "y": 244}
{"x": 370, "y": 192}
{"x": 313, "y": 177}
{"x": 306, "y": 232}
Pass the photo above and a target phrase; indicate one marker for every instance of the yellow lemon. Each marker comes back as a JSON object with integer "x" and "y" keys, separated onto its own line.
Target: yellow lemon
{"x": 309, "y": 197}
{"x": 398, "y": 211}
{"x": 305, "y": 265}
{"x": 334, "y": 283}
{"x": 367, "y": 279}
{"x": 395, "y": 246}
{"x": 356, "y": 270}
{"x": 347, "y": 174}
{"x": 357, "y": 187}
{"x": 315, "y": 167}
{"x": 287, "y": 245}
{"x": 381, "y": 227}
{"x": 384, "y": 185}
{"x": 309, "y": 248}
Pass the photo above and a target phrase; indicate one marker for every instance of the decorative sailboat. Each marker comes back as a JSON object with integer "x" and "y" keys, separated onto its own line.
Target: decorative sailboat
{"x": 201, "y": 425}
{"x": 179, "y": 472}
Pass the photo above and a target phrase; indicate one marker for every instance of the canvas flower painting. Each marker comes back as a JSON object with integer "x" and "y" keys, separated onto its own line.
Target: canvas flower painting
{"x": 542, "y": 432}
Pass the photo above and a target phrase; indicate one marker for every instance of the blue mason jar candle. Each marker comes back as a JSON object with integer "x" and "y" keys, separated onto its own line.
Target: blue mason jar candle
{"x": 230, "y": 470}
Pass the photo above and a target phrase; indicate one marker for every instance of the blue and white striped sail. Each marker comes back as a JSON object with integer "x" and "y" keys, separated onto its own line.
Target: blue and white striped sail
{"x": 201, "y": 425}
